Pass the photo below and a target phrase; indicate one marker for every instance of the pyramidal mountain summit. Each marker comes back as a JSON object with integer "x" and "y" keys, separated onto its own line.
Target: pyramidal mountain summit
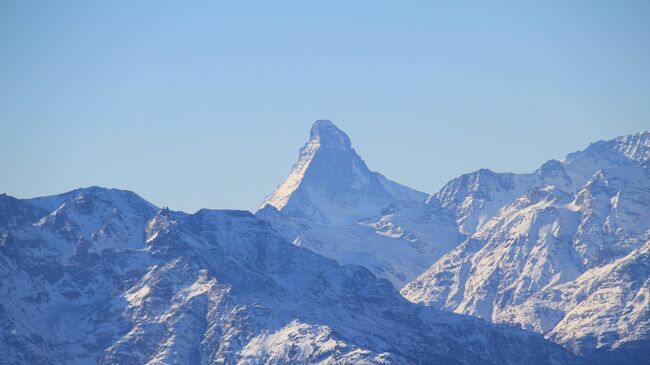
{"x": 342, "y": 266}
{"x": 331, "y": 184}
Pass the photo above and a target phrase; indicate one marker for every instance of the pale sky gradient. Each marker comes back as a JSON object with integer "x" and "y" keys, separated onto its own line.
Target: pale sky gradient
{"x": 206, "y": 103}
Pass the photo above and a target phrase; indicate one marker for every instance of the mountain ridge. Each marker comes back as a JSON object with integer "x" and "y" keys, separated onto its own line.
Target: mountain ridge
{"x": 101, "y": 275}
{"x": 217, "y": 286}
{"x": 538, "y": 233}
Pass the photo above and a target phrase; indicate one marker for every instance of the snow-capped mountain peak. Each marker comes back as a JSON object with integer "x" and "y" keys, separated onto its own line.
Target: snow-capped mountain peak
{"x": 332, "y": 204}
{"x": 331, "y": 184}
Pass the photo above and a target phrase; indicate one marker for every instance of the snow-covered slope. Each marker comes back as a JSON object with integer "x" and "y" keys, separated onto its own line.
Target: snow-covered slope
{"x": 611, "y": 303}
{"x": 218, "y": 287}
{"x": 533, "y": 235}
{"x": 334, "y": 205}
{"x": 380, "y": 244}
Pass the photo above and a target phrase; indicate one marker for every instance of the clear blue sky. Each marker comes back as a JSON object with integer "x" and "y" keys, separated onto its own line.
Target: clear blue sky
{"x": 206, "y": 103}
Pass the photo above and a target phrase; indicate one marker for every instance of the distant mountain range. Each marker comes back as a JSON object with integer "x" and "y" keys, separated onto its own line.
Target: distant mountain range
{"x": 562, "y": 251}
{"x": 100, "y": 275}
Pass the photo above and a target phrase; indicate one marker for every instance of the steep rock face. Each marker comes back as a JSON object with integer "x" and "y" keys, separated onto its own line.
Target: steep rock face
{"x": 15, "y": 212}
{"x": 331, "y": 184}
{"x": 565, "y": 219}
{"x": 218, "y": 287}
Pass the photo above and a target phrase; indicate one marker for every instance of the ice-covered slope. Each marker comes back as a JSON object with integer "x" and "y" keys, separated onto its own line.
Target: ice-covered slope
{"x": 542, "y": 231}
{"x": 331, "y": 184}
{"x": 334, "y": 205}
{"x": 218, "y": 287}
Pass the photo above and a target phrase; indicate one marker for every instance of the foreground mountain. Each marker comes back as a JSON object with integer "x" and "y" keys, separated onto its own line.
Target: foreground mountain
{"x": 562, "y": 251}
{"x": 334, "y": 205}
{"x": 107, "y": 278}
